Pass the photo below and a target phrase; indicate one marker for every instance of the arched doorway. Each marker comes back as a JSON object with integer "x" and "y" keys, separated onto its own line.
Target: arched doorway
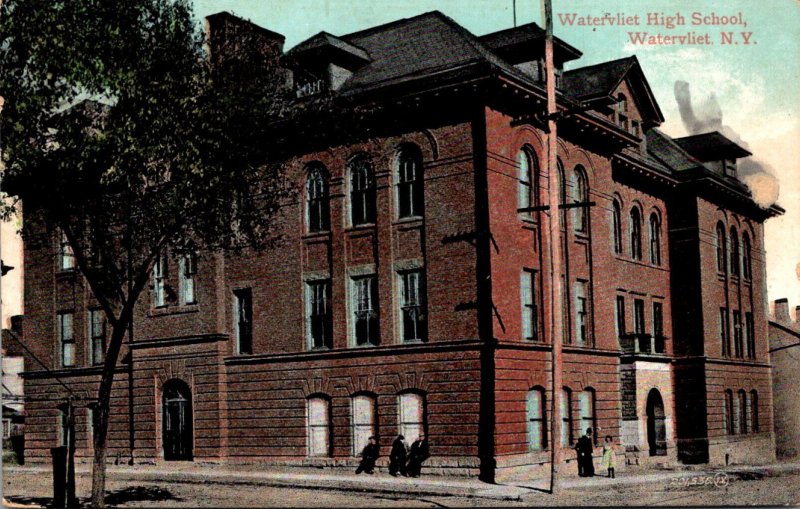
{"x": 656, "y": 428}
{"x": 177, "y": 421}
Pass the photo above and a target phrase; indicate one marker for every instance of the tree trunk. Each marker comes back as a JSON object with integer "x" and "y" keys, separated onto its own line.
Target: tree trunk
{"x": 102, "y": 411}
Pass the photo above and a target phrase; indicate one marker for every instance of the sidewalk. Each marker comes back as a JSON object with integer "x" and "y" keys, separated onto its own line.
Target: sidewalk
{"x": 309, "y": 478}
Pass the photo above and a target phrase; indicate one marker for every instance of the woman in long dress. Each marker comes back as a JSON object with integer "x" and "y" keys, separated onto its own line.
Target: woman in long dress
{"x": 609, "y": 458}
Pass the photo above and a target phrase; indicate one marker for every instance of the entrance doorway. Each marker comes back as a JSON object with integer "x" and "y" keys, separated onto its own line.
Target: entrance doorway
{"x": 177, "y": 421}
{"x": 656, "y": 427}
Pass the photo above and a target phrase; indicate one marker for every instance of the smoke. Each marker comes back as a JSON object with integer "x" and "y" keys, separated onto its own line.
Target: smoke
{"x": 707, "y": 117}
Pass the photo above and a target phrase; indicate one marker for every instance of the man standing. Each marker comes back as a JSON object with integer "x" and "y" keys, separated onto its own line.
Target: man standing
{"x": 419, "y": 453}
{"x": 368, "y": 457}
{"x": 397, "y": 458}
{"x": 585, "y": 448}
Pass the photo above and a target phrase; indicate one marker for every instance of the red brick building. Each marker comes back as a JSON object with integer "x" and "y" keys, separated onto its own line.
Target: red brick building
{"x": 409, "y": 290}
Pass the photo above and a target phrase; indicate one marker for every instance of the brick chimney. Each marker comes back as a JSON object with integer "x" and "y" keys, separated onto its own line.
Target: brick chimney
{"x": 229, "y": 36}
{"x": 782, "y": 310}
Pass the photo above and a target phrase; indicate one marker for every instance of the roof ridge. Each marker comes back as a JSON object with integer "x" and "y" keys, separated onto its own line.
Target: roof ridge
{"x": 632, "y": 58}
{"x": 385, "y": 26}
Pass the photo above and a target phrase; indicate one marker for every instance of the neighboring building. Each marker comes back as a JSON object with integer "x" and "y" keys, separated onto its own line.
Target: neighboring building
{"x": 784, "y": 351}
{"x": 409, "y": 292}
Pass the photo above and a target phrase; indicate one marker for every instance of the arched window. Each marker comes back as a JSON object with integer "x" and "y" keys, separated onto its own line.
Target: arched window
{"x": 580, "y": 190}
{"x": 317, "y": 208}
{"x": 362, "y": 421}
{"x": 586, "y": 401}
{"x": 410, "y": 192}
{"x": 727, "y": 411}
{"x": 734, "y": 252}
{"x": 721, "y": 248}
{"x": 411, "y": 409}
{"x": 753, "y": 410}
{"x": 743, "y": 411}
{"x": 536, "y": 412}
{"x": 318, "y": 426}
{"x": 747, "y": 264}
{"x": 362, "y": 192}
{"x": 565, "y": 406}
{"x": 655, "y": 239}
{"x": 636, "y": 234}
{"x": 528, "y": 180}
{"x": 616, "y": 224}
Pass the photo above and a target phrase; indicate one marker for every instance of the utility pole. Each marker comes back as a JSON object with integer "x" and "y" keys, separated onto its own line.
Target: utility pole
{"x": 555, "y": 303}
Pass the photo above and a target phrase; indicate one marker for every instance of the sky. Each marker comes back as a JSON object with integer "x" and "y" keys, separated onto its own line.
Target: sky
{"x": 755, "y": 88}
{"x": 750, "y": 89}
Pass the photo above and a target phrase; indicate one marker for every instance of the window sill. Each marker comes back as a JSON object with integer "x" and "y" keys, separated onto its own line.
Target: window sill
{"x": 323, "y": 234}
{"x": 176, "y": 310}
{"x": 406, "y": 221}
{"x": 360, "y": 228}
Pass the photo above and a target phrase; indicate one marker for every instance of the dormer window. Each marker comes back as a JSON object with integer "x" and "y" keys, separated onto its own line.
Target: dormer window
{"x": 622, "y": 112}
{"x": 729, "y": 166}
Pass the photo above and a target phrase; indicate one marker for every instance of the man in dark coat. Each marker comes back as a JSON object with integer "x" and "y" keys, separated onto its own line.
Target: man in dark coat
{"x": 397, "y": 458}
{"x": 584, "y": 448}
{"x": 368, "y": 457}
{"x": 419, "y": 453}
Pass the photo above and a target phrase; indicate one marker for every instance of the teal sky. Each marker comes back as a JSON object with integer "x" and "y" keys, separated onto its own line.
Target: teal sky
{"x": 757, "y": 86}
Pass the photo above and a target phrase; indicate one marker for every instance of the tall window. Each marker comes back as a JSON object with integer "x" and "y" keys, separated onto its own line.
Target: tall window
{"x": 66, "y": 338}
{"x": 622, "y": 111}
{"x": 362, "y": 193}
{"x": 581, "y": 313}
{"x": 586, "y": 401}
{"x": 411, "y": 407}
{"x": 527, "y": 177}
{"x": 243, "y": 320}
{"x": 565, "y": 406}
{"x": 750, "y": 335}
{"x": 66, "y": 258}
{"x": 638, "y": 316}
{"x": 616, "y": 220}
{"x": 365, "y": 310}
{"x": 536, "y": 411}
{"x": 727, "y": 411}
{"x": 754, "y": 410}
{"x": 723, "y": 331}
{"x": 362, "y": 421}
{"x": 738, "y": 345}
{"x": 160, "y": 282}
{"x": 658, "y": 326}
{"x": 410, "y": 192}
{"x": 530, "y": 308}
{"x": 318, "y": 421}
{"x": 721, "y": 248}
{"x": 655, "y": 239}
{"x": 745, "y": 416}
{"x": 734, "y": 252}
{"x": 747, "y": 257}
{"x": 318, "y": 313}
{"x": 187, "y": 267}
{"x": 620, "y": 318}
{"x": 317, "y": 201}
{"x": 580, "y": 191}
{"x": 413, "y": 308}
{"x": 636, "y": 234}
{"x": 737, "y": 415}
{"x": 97, "y": 336}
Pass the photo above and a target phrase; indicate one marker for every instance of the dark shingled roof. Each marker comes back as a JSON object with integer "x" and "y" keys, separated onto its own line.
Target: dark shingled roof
{"x": 597, "y": 80}
{"x": 711, "y": 146}
{"x": 323, "y": 42}
{"x": 515, "y": 44}
{"x": 664, "y": 148}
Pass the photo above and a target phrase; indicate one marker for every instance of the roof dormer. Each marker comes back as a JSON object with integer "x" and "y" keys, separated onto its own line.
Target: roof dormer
{"x": 719, "y": 153}
{"x": 324, "y": 62}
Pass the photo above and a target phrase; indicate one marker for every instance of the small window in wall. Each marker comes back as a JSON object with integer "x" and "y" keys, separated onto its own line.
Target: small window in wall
{"x": 658, "y": 326}
{"x": 530, "y": 308}
{"x": 243, "y": 320}
{"x": 721, "y": 248}
{"x": 620, "y": 318}
{"x": 536, "y": 411}
{"x": 724, "y": 335}
{"x": 638, "y": 316}
{"x": 63, "y": 428}
{"x": 410, "y": 192}
{"x": 754, "y": 410}
{"x": 318, "y": 420}
{"x": 187, "y": 267}
{"x": 363, "y": 421}
{"x": 66, "y": 258}
{"x": 581, "y": 313}
{"x": 565, "y": 407}
{"x": 97, "y": 336}
{"x": 66, "y": 339}
{"x": 362, "y": 193}
{"x": 616, "y": 224}
{"x": 317, "y": 200}
{"x": 744, "y": 412}
{"x": 750, "y": 335}
{"x": 580, "y": 191}
{"x": 747, "y": 259}
{"x": 728, "y": 412}
{"x": 160, "y": 282}
{"x": 737, "y": 415}
{"x": 586, "y": 402}
{"x": 412, "y": 415}
{"x": 318, "y": 314}
{"x": 364, "y": 295}
{"x": 655, "y": 239}
{"x": 738, "y": 343}
{"x": 734, "y": 252}
{"x": 413, "y": 309}
{"x": 636, "y": 234}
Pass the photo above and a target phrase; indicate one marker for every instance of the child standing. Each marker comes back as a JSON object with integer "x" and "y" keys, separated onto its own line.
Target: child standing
{"x": 609, "y": 460}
